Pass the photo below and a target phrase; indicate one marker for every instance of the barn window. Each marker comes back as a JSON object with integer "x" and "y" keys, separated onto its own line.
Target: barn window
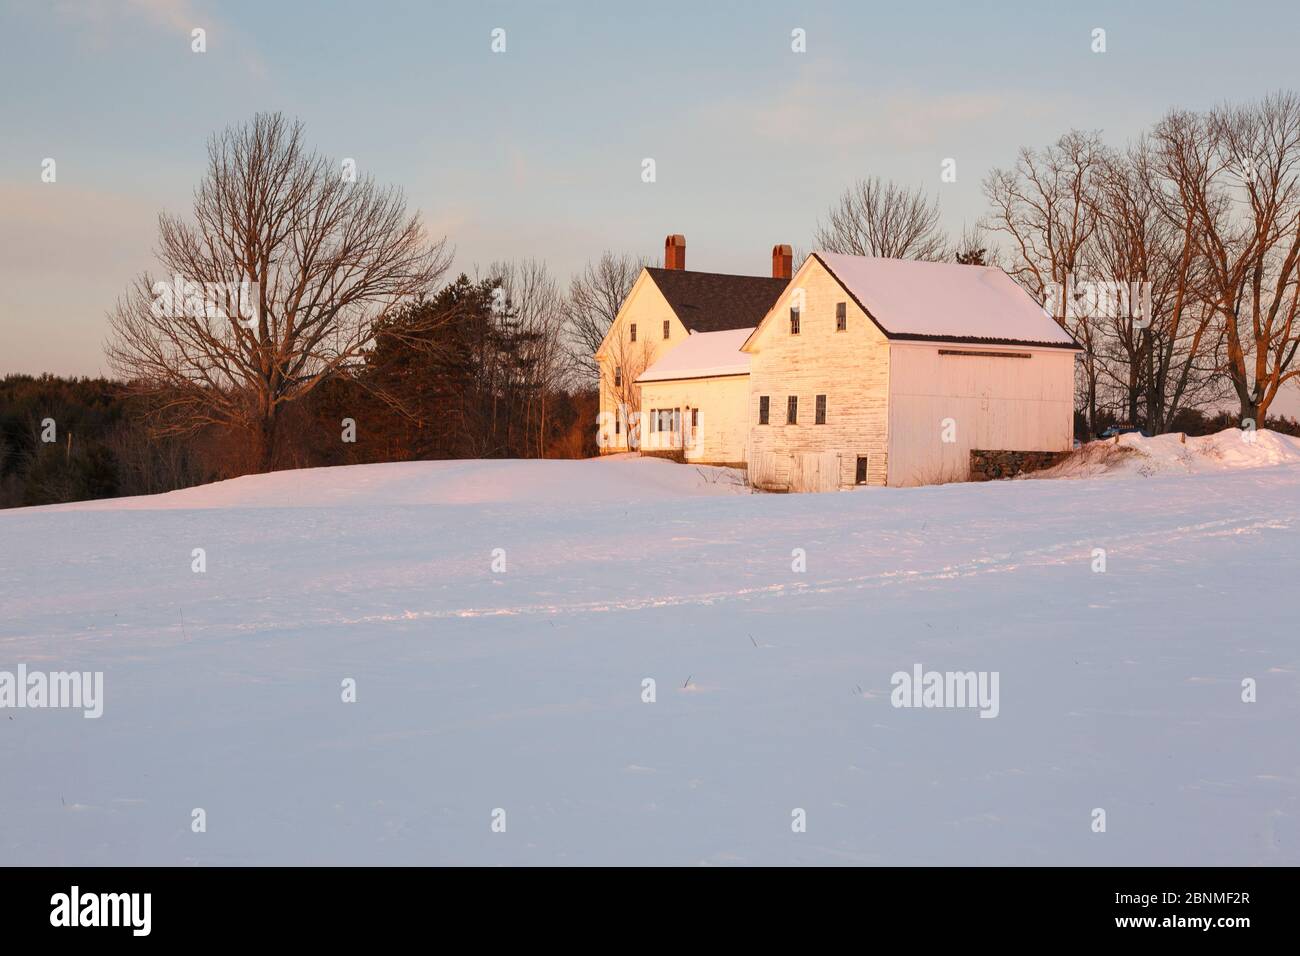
{"x": 792, "y": 410}
{"x": 821, "y": 409}
{"x": 861, "y": 476}
{"x": 841, "y": 317}
{"x": 794, "y": 320}
{"x": 633, "y": 331}
{"x": 618, "y": 376}
{"x": 665, "y": 328}
{"x": 764, "y": 403}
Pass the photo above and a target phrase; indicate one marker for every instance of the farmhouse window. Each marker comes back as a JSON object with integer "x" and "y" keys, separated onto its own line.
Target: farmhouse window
{"x": 665, "y": 328}
{"x": 633, "y": 331}
{"x": 861, "y": 477}
{"x": 764, "y": 403}
{"x": 841, "y": 317}
{"x": 794, "y": 320}
{"x": 792, "y": 410}
{"x": 695, "y": 418}
{"x": 618, "y": 376}
{"x": 821, "y": 409}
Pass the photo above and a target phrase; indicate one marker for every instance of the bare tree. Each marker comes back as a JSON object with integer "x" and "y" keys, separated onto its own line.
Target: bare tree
{"x": 878, "y": 218}
{"x": 595, "y": 296}
{"x": 973, "y": 248}
{"x": 532, "y": 298}
{"x": 1158, "y": 339}
{"x": 1047, "y": 207}
{"x": 1238, "y": 170}
{"x": 277, "y": 284}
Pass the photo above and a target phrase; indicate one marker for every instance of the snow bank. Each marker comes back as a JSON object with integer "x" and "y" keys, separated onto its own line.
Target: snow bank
{"x": 617, "y": 478}
{"x": 1136, "y": 456}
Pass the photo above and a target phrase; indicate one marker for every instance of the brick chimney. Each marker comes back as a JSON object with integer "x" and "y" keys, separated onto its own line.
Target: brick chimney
{"x": 782, "y": 262}
{"x": 675, "y": 252}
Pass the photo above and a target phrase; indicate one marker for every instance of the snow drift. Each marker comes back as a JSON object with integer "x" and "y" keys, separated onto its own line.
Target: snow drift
{"x": 1135, "y": 456}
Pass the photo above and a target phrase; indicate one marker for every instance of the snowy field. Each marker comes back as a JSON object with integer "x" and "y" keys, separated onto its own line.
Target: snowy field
{"x": 522, "y": 690}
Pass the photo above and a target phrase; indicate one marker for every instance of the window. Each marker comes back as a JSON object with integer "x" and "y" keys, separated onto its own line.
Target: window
{"x": 695, "y": 418}
{"x": 618, "y": 376}
{"x": 618, "y": 425}
{"x": 633, "y": 331}
{"x": 792, "y": 410}
{"x": 821, "y": 409}
{"x": 665, "y": 328}
{"x": 764, "y": 403}
{"x": 794, "y": 320}
{"x": 841, "y": 318}
{"x": 861, "y": 477}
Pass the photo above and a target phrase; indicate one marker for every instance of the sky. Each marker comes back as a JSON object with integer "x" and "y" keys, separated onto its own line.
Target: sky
{"x": 538, "y": 151}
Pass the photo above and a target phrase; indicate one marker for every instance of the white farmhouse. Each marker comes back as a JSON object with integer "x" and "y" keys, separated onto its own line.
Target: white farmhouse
{"x": 862, "y": 371}
{"x": 672, "y": 358}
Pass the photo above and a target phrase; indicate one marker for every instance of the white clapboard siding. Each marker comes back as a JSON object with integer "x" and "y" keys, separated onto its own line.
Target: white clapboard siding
{"x": 647, "y": 308}
{"x": 851, "y": 368}
{"x": 720, "y": 438}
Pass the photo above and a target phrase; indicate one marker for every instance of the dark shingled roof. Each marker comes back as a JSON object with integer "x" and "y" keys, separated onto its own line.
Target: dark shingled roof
{"x": 712, "y": 302}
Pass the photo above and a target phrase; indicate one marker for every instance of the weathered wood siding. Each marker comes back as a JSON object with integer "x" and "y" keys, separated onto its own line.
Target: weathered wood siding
{"x": 1002, "y": 403}
{"x": 647, "y": 308}
{"x": 851, "y": 368}
{"x": 723, "y": 430}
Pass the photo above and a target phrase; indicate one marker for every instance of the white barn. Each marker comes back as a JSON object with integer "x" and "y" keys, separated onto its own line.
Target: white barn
{"x": 872, "y": 371}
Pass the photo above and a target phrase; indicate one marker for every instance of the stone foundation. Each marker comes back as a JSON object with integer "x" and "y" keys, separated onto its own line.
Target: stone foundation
{"x": 672, "y": 454}
{"x": 991, "y": 465}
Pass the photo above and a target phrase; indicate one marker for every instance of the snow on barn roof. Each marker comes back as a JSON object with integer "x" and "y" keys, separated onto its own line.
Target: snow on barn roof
{"x": 702, "y": 355}
{"x": 943, "y": 300}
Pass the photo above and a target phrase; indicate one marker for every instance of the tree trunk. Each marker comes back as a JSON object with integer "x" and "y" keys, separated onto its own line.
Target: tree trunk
{"x": 266, "y": 442}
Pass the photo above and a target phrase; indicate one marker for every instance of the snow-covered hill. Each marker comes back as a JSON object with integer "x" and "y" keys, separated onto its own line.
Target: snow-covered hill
{"x": 523, "y": 690}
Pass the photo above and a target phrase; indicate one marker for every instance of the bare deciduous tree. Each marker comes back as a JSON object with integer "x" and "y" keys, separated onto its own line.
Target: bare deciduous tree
{"x": 1237, "y": 169}
{"x": 283, "y": 273}
{"x": 878, "y": 218}
{"x": 595, "y": 296}
{"x": 1158, "y": 347}
{"x": 532, "y": 298}
{"x": 1047, "y": 207}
